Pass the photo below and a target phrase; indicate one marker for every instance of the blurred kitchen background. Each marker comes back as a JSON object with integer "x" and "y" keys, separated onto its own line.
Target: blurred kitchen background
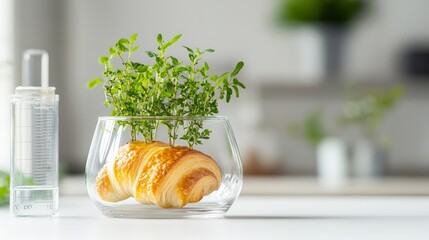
{"x": 337, "y": 89}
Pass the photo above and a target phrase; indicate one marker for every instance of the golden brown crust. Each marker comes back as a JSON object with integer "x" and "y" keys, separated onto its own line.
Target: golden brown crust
{"x": 156, "y": 173}
{"x": 155, "y": 170}
{"x": 103, "y": 184}
{"x": 128, "y": 161}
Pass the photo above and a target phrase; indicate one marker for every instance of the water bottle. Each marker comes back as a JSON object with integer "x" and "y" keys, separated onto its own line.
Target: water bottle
{"x": 34, "y": 140}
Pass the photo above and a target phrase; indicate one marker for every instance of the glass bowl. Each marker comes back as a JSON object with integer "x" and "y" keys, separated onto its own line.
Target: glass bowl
{"x": 118, "y": 134}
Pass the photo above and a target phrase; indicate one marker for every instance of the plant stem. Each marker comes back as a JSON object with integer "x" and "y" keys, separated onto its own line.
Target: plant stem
{"x": 155, "y": 130}
{"x": 133, "y": 133}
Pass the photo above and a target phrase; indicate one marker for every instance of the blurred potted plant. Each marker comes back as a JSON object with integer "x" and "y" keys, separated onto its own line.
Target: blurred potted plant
{"x": 331, "y": 152}
{"x": 329, "y": 18}
{"x": 367, "y": 110}
{"x": 364, "y": 109}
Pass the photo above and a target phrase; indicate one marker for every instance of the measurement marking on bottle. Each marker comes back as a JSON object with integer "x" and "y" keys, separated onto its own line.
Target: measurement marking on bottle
{"x": 32, "y": 206}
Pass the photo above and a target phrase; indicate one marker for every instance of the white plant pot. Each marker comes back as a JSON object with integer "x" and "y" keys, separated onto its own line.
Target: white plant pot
{"x": 368, "y": 159}
{"x": 310, "y": 54}
{"x": 332, "y": 162}
{"x": 320, "y": 51}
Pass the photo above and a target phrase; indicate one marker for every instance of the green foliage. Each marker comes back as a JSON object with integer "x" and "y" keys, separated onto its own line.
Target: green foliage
{"x": 311, "y": 129}
{"x": 167, "y": 87}
{"x": 336, "y": 12}
{"x": 4, "y": 188}
{"x": 366, "y": 108}
{"x": 369, "y": 108}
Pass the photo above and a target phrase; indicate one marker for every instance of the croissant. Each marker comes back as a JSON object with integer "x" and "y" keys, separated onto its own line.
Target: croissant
{"x": 156, "y": 173}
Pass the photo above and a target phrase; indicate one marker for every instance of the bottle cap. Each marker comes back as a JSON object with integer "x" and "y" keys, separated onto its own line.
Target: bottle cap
{"x": 35, "y": 68}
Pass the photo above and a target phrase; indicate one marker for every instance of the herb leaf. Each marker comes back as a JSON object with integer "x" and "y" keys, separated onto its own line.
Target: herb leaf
{"x": 94, "y": 82}
{"x": 237, "y": 69}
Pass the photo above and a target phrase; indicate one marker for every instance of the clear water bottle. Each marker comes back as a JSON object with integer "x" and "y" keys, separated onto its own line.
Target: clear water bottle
{"x": 34, "y": 155}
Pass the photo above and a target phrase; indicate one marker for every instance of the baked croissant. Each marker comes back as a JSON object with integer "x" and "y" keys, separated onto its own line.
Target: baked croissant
{"x": 156, "y": 173}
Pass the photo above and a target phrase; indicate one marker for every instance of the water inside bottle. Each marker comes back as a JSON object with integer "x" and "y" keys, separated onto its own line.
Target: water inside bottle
{"x": 34, "y": 201}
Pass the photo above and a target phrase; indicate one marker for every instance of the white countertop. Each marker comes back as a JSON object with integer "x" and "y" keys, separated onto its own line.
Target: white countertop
{"x": 251, "y": 217}
{"x": 303, "y": 186}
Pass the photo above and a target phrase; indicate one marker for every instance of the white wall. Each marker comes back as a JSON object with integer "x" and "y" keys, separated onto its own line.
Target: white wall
{"x": 77, "y": 32}
{"x": 378, "y": 40}
{"x": 6, "y": 79}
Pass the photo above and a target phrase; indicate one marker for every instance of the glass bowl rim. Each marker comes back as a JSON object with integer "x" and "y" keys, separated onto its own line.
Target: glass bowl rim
{"x": 200, "y": 118}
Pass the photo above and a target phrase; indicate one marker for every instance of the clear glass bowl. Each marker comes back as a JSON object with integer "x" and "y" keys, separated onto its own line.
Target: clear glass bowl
{"x": 112, "y": 133}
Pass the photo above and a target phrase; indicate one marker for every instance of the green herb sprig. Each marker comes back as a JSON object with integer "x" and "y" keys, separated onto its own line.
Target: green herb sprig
{"x": 368, "y": 108}
{"x": 311, "y": 129}
{"x": 167, "y": 87}
{"x": 4, "y": 188}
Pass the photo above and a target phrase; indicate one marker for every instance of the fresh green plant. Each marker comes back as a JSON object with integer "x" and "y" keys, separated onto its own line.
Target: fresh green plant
{"x": 4, "y": 188}
{"x": 311, "y": 129}
{"x": 167, "y": 87}
{"x": 332, "y": 12}
{"x": 369, "y": 108}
